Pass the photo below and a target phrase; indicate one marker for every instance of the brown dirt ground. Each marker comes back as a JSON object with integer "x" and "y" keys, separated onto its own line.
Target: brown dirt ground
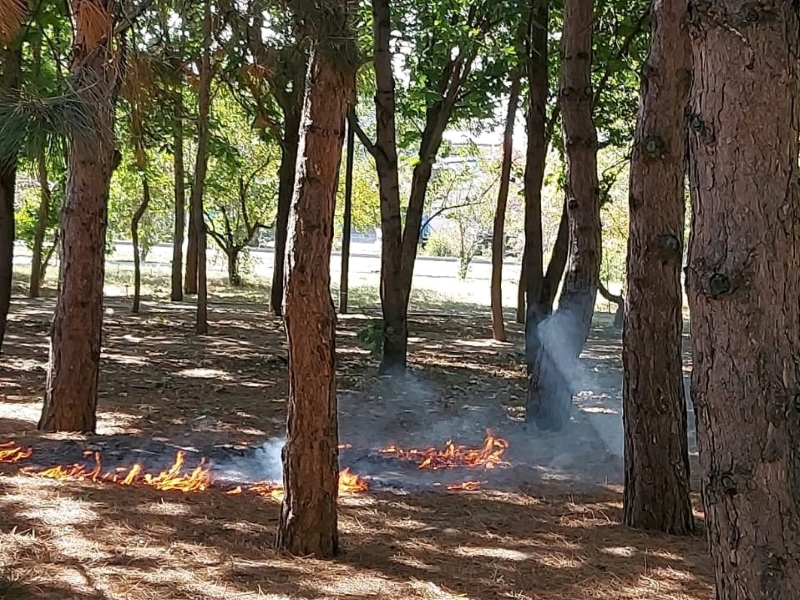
{"x": 541, "y": 541}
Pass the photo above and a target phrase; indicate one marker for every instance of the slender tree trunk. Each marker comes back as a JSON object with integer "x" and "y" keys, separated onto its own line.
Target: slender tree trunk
{"x": 557, "y": 264}
{"x": 70, "y": 398}
{"x": 190, "y": 277}
{"x": 179, "y": 172}
{"x": 521, "y": 286}
{"x": 498, "y": 230}
{"x": 619, "y": 313}
{"x": 201, "y": 165}
{"x": 286, "y": 177}
{"x": 742, "y": 287}
{"x": 654, "y": 412}
{"x": 308, "y": 520}
{"x": 394, "y": 302}
{"x": 545, "y": 385}
{"x": 137, "y": 269}
{"x": 10, "y": 76}
{"x": 346, "y": 226}
{"x": 42, "y": 219}
{"x": 46, "y": 261}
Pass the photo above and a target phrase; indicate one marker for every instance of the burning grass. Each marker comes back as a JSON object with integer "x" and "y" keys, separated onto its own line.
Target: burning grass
{"x": 198, "y": 479}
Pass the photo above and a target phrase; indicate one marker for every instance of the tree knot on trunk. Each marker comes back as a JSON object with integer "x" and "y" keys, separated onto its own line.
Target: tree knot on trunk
{"x": 703, "y": 130}
{"x": 668, "y": 248}
{"x": 727, "y": 483}
{"x": 654, "y": 146}
{"x": 719, "y": 285}
{"x": 575, "y": 94}
{"x": 796, "y": 402}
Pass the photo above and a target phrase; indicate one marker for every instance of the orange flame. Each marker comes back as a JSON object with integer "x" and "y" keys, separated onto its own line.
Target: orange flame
{"x": 469, "y": 486}
{"x": 11, "y": 453}
{"x": 197, "y": 480}
{"x": 452, "y": 456}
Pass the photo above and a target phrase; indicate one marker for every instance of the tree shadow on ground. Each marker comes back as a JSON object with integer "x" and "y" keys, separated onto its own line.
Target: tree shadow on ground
{"x": 488, "y": 545}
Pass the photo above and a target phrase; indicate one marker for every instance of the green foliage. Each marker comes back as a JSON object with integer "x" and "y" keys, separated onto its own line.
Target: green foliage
{"x": 372, "y": 337}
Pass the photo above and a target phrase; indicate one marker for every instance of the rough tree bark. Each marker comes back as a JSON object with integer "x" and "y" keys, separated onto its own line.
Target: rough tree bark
{"x": 344, "y": 286}
{"x": 743, "y": 290}
{"x": 308, "y": 520}
{"x": 654, "y": 406}
{"x": 42, "y": 218}
{"x": 179, "y": 174}
{"x": 498, "y": 230}
{"x": 10, "y": 75}
{"x": 70, "y": 398}
{"x": 201, "y": 165}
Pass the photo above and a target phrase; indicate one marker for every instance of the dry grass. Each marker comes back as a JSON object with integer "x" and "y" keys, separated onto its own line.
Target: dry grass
{"x": 74, "y": 540}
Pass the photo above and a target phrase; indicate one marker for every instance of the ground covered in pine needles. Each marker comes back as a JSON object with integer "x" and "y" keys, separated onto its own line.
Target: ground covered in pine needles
{"x": 547, "y": 528}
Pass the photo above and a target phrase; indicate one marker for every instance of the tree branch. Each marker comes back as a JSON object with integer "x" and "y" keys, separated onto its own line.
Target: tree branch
{"x": 352, "y": 121}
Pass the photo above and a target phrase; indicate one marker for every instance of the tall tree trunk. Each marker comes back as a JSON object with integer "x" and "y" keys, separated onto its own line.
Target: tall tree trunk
{"x": 560, "y": 339}
{"x": 498, "y": 230}
{"x": 179, "y": 173}
{"x": 137, "y": 268}
{"x": 654, "y": 413}
{"x": 190, "y": 277}
{"x": 10, "y": 76}
{"x": 308, "y": 520}
{"x": 70, "y": 398}
{"x": 344, "y": 286}
{"x": 201, "y": 165}
{"x": 583, "y": 204}
{"x": 394, "y": 302}
{"x": 544, "y": 378}
{"x": 742, "y": 287}
{"x": 286, "y": 177}
{"x": 42, "y": 219}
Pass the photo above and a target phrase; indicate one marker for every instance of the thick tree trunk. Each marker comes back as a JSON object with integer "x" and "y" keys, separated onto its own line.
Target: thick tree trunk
{"x": 308, "y": 520}
{"x": 583, "y": 204}
{"x": 70, "y": 398}
{"x": 743, "y": 288}
{"x": 201, "y": 165}
{"x": 232, "y": 255}
{"x": 286, "y": 177}
{"x": 344, "y": 286}
{"x": 10, "y": 75}
{"x": 654, "y": 413}
{"x": 137, "y": 267}
{"x": 498, "y": 230}
{"x": 42, "y": 218}
{"x": 179, "y": 173}
{"x": 190, "y": 277}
